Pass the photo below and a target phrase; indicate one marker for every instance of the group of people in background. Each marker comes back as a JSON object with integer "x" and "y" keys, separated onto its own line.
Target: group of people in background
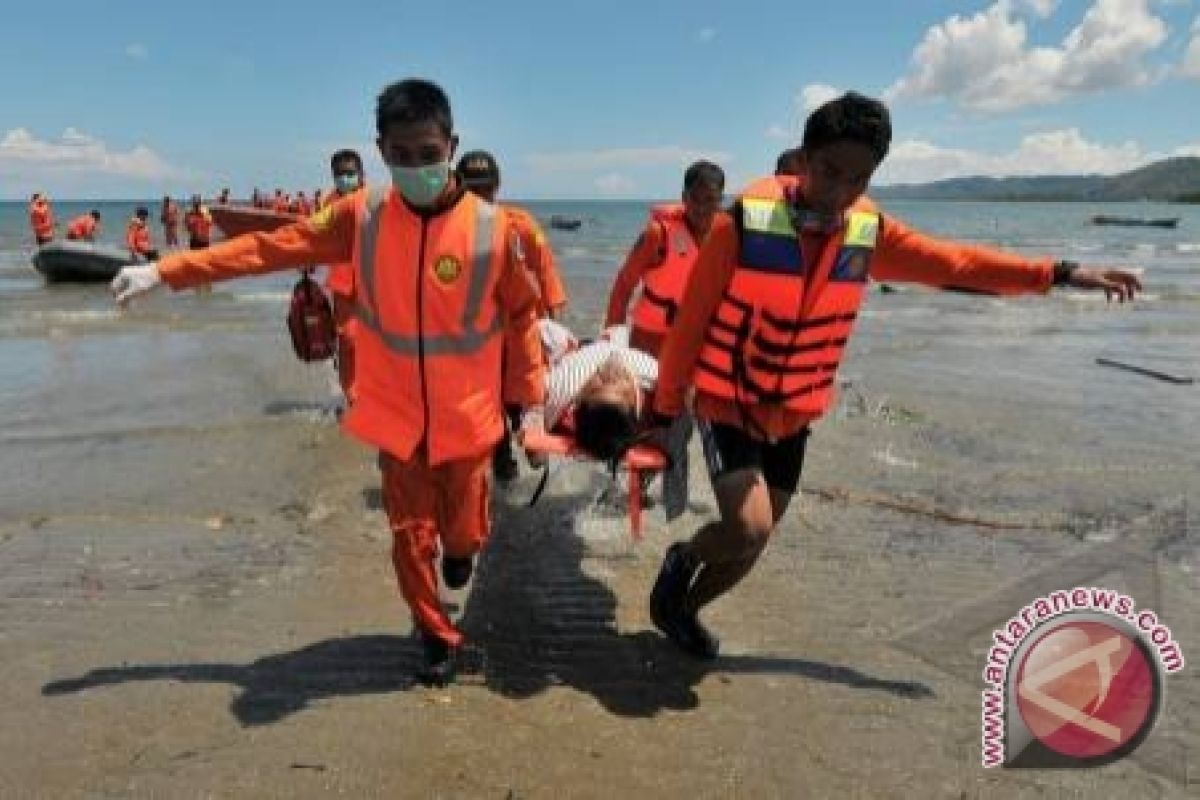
{"x": 139, "y": 239}
{"x": 743, "y": 311}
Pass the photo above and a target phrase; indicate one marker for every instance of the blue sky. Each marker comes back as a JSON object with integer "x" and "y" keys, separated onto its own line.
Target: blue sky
{"x": 584, "y": 99}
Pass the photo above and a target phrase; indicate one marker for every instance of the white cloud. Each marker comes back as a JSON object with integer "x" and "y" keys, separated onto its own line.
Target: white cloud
{"x": 985, "y": 62}
{"x": 136, "y": 50}
{"x": 1190, "y": 67}
{"x": 1057, "y": 152}
{"x": 706, "y": 35}
{"x": 621, "y": 157}
{"x": 75, "y": 151}
{"x": 614, "y": 184}
{"x": 814, "y": 95}
{"x": 781, "y": 133}
{"x": 1192, "y": 149}
{"x": 1042, "y": 8}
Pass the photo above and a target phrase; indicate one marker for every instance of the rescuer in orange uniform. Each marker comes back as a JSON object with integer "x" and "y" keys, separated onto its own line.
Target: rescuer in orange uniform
{"x": 346, "y": 166}
{"x": 440, "y": 288}
{"x": 137, "y": 236}
{"x": 84, "y": 227}
{"x": 763, "y": 327}
{"x": 480, "y": 173}
{"x": 663, "y": 257}
{"x": 168, "y": 215}
{"x": 41, "y": 218}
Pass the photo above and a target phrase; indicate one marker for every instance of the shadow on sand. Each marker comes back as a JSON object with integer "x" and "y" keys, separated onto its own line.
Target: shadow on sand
{"x": 537, "y": 620}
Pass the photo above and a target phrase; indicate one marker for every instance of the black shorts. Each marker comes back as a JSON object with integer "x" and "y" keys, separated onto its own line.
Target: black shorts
{"x": 728, "y": 449}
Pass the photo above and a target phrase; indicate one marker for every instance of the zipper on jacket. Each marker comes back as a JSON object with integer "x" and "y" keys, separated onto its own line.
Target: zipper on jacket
{"x": 421, "y": 336}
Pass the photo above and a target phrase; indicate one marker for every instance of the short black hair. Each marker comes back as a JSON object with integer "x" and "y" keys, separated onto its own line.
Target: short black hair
{"x": 604, "y": 430}
{"x": 413, "y": 100}
{"x": 478, "y": 168}
{"x": 345, "y": 155}
{"x": 142, "y": 211}
{"x": 781, "y": 163}
{"x": 95, "y": 214}
{"x": 704, "y": 172}
{"x": 850, "y": 118}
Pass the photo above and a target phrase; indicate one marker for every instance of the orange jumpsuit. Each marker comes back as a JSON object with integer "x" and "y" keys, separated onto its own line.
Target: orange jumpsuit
{"x": 428, "y": 496}
{"x": 540, "y": 260}
{"x": 339, "y": 282}
{"x": 901, "y": 254}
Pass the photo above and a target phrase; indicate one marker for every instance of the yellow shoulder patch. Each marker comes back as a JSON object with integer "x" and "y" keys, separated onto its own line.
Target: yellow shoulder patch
{"x": 323, "y": 219}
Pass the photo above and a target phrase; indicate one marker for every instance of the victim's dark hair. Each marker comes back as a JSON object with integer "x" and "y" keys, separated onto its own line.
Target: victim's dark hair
{"x": 413, "y": 100}
{"x": 850, "y": 118}
{"x": 604, "y": 430}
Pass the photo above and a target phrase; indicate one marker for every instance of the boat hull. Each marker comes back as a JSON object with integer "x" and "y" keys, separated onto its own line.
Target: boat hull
{"x": 79, "y": 262}
{"x": 236, "y": 220}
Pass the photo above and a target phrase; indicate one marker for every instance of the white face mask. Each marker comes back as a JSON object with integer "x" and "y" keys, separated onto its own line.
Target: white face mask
{"x": 421, "y": 185}
{"x": 346, "y": 182}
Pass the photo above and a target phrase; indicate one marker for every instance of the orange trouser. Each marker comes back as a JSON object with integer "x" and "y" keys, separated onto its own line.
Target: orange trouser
{"x": 424, "y": 504}
{"x": 343, "y": 317}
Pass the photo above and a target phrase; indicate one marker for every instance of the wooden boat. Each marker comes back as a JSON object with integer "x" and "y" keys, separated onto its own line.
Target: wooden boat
{"x": 234, "y": 220}
{"x": 565, "y": 223}
{"x": 80, "y": 262}
{"x": 1159, "y": 222}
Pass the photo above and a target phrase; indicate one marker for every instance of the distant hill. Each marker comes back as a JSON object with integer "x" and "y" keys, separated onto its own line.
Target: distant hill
{"x": 1172, "y": 180}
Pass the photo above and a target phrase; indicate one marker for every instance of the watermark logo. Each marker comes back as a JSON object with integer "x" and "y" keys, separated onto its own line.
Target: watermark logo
{"x": 1074, "y": 680}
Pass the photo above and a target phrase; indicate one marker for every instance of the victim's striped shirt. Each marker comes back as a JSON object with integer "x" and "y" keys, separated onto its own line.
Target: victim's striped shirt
{"x": 569, "y": 372}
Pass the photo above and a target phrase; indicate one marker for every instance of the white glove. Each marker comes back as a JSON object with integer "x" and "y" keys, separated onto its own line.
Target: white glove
{"x": 135, "y": 280}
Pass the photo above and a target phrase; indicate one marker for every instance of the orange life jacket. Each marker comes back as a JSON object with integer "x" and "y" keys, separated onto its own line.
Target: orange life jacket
{"x": 41, "y": 219}
{"x": 82, "y": 227}
{"x": 199, "y": 225}
{"x": 428, "y": 345}
{"x": 778, "y": 335}
{"x": 662, "y": 287}
{"x": 137, "y": 237}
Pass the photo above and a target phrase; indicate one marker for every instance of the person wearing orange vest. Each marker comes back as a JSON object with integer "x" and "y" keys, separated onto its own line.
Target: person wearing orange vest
{"x": 346, "y": 167}
{"x": 764, "y": 325}
{"x": 137, "y": 236}
{"x": 84, "y": 227}
{"x": 480, "y": 173}
{"x": 169, "y": 217}
{"x": 198, "y": 222}
{"x": 41, "y": 218}
{"x": 663, "y": 257}
{"x": 440, "y": 287}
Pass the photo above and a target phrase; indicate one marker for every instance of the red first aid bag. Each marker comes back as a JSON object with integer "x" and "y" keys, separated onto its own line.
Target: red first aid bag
{"x": 310, "y": 321}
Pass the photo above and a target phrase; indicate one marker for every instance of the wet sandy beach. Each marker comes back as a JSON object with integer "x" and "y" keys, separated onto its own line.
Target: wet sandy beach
{"x": 197, "y": 600}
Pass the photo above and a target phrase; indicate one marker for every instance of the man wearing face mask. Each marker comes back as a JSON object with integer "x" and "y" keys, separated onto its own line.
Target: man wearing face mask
{"x": 348, "y": 177}
{"x": 440, "y": 289}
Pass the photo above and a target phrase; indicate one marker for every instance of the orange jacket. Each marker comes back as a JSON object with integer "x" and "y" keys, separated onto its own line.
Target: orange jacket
{"x": 199, "y": 224}
{"x": 82, "y": 227}
{"x": 431, "y": 322}
{"x": 540, "y": 260}
{"x": 41, "y": 219}
{"x": 900, "y": 254}
{"x": 661, "y": 261}
{"x": 137, "y": 237}
{"x": 340, "y": 279}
